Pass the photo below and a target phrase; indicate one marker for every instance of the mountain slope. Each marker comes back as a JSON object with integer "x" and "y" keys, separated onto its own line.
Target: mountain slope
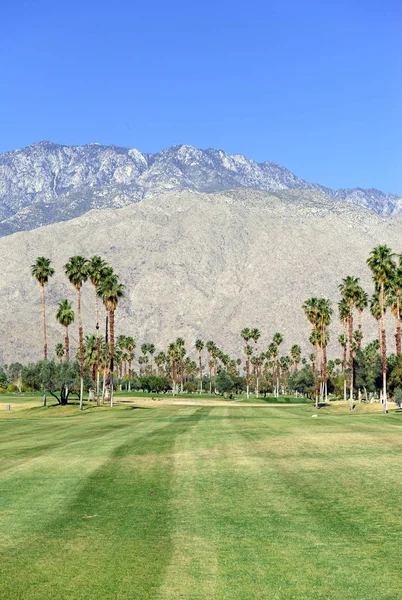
{"x": 47, "y": 183}
{"x": 197, "y": 264}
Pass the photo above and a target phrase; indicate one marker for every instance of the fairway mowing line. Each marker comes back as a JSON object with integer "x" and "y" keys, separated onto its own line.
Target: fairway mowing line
{"x": 192, "y": 568}
{"x": 335, "y": 525}
{"x": 75, "y": 549}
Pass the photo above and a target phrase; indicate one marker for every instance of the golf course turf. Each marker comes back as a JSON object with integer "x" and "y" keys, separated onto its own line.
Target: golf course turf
{"x": 200, "y": 502}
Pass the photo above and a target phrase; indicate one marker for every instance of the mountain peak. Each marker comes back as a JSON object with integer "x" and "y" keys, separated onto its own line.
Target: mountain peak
{"x": 47, "y": 182}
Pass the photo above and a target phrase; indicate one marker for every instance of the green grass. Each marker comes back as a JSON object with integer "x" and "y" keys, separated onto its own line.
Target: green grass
{"x": 200, "y": 503}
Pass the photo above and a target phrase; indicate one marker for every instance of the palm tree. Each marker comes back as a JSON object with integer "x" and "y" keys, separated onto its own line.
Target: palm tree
{"x": 65, "y": 316}
{"x": 344, "y": 311}
{"x": 77, "y": 273}
{"x": 59, "y": 351}
{"x": 361, "y": 302}
{"x": 311, "y": 310}
{"x": 181, "y": 352}
{"x": 277, "y": 339}
{"x": 325, "y": 313}
{"x": 42, "y": 271}
{"x": 375, "y": 311}
{"x": 255, "y": 336}
{"x": 199, "y": 346}
{"x": 246, "y": 335}
{"x": 95, "y": 268}
{"x": 350, "y": 290}
{"x": 130, "y": 345}
{"x": 394, "y": 302}
{"x": 383, "y": 267}
{"x": 212, "y": 349}
{"x": 110, "y": 290}
{"x": 295, "y": 353}
{"x": 91, "y": 354}
{"x": 172, "y": 354}
{"x": 151, "y": 350}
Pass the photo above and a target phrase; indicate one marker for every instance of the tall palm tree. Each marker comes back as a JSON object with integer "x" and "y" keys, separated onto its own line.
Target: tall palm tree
{"x": 255, "y": 336}
{"x": 91, "y": 354}
{"x": 77, "y": 273}
{"x": 361, "y": 302}
{"x": 96, "y": 270}
{"x": 211, "y": 349}
{"x": 111, "y": 291}
{"x": 199, "y": 346}
{"x": 394, "y": 291}
{"x": 181, "y": 352}
{"x": 350, "y": 290}
{"x": 277, "y": 339}
{"x": 172, "y": 354}
{"x": 383, "y": 267}
{"x": 65, "y": 316}
{"x": 42, "y": 271}
{"x": 311, "y": 309}
{"x": 344, "y": 311}
{"x": 325, "y": 313}
{"x": 246, "y": 335}
{"x": 375, "y": 311}
{"x": 59, "y": 351}
{"x": 151, "y": 350}
{"x": 130, "y": 345}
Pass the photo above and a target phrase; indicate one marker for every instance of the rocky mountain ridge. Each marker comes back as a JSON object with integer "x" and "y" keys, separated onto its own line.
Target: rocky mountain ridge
{"x": 47, "y": 183}
{"x": 199, "y": 265}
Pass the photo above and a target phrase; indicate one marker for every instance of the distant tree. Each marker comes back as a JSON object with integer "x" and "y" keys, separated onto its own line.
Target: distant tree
{"x": 59, "y": 379}
{"x": 59, "y": 351}
{"x": 224, "y": 383}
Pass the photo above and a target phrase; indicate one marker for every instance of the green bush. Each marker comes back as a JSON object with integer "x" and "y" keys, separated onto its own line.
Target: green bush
{"x": 398, "y": 394}
{"x": 11, "y": 389}
{"x": 26, "y": 388}
{"x": 2, "y": 391}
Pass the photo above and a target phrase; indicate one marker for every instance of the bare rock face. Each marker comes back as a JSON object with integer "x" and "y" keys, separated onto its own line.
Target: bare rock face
{"x": 197, "y": 265}
{"x": 48, "y": 183}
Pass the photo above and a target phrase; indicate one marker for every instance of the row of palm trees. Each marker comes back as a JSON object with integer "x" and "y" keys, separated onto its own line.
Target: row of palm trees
{"x": 386, "y": 268}
{"x": 106, "y": 286}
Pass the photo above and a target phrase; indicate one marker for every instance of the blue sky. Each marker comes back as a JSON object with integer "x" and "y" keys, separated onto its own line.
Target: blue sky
{"x": 312, "y": 85}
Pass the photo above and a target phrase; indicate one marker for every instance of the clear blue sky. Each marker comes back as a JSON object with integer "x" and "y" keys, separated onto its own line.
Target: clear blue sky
{"x": 314, "y": 85}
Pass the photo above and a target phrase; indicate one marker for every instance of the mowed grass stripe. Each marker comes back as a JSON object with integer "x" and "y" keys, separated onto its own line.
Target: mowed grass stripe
{"x": 127, "y": 542}
{"x": 192, "y": 503}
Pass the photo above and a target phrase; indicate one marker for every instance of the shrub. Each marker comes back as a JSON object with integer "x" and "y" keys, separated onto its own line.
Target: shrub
{"x": 398, "y": 394}
{"x": 2, "y": 391}
{"x": 190, "y": 387}
{"x": 11, "y": 389}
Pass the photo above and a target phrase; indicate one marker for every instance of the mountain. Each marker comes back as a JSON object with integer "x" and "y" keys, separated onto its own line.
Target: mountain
{"x": 47, "y": 183}
{"x": 198, "y": 265}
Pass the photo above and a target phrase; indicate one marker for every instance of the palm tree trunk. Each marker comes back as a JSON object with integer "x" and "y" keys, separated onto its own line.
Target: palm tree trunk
{"x": 383, "y": 349}
{"x": 398, "y": 327}
{"x": 359, "y": 328}
{"x": 316, "y": 368}
{"x": 98, "y": 348}
{"x": 80, "y": 337}
{"x": 200, "y": 373}
{"x": 111, "y": 326}
{"x": 351, "y": 359}
{"x": 105, "y": 361}
{"x": 344, "y": 365}
{"x": 324, "y": 355}
{"x": 67, "y": 344}
{"x": 44, "y": 324}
